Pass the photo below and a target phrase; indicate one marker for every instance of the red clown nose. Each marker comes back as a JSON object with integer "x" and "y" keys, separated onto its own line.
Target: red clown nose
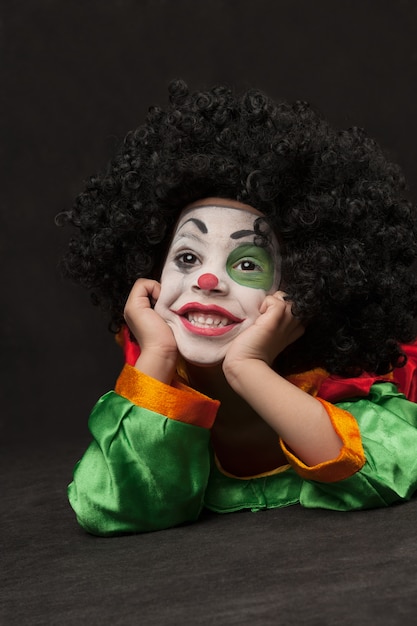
{"x": 208, "y": 281}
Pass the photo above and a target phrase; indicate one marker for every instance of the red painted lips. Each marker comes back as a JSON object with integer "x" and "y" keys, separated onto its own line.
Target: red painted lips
{"x": 207, "y": 320}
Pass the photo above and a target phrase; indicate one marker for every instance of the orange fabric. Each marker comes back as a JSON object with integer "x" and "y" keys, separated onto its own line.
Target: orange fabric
{"x": 195, "y": 408}
{"x": 332, "y": 388}
{"x": 277, "y": 470}
{"x": 177, "y": 402}
{"x": 351, "y": 457}
{"x": 310, "y": 382}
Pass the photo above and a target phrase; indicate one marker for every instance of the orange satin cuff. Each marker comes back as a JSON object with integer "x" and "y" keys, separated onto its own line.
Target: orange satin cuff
{"x": 351, "y": 457}
{"x": 177, "y": 402}
{"x": 309, "y": 381}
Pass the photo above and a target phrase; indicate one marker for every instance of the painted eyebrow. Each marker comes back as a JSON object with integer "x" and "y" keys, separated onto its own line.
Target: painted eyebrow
{"x": 200, "y": 225}
{"x": 203, "y": 229}
{"x": 241, "y": 233}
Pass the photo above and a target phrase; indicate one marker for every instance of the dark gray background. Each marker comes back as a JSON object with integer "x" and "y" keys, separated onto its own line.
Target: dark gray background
{"x": 77, "y": 75}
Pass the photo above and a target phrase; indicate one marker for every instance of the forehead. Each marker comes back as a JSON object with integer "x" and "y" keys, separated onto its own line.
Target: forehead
{"x": 209, "y": 218}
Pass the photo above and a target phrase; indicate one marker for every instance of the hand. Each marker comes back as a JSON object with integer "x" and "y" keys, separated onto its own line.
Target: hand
{"x": 274, "y": 330}
{"x": 159, "y": 351}
{"x": 278, "y": 402}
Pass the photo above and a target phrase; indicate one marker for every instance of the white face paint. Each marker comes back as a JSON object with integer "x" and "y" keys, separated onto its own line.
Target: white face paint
{"x": 215, "y": 278}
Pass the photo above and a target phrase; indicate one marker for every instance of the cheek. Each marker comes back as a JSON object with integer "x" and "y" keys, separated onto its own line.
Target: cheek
{"x": 250, "y": 299}
{"x": 172, "y": 285}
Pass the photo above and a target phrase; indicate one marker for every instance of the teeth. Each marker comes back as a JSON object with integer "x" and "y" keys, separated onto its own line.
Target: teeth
{"x": 207, "y": 321}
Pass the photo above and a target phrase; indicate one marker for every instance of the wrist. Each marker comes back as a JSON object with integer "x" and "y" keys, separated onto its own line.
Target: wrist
{"x": 159, "y": 366}
{"x": 238, "y": 372}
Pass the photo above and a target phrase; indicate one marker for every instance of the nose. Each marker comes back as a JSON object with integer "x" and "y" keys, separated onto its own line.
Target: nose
{"x": 207, "y": 281}
{"x": 212, "y": 283}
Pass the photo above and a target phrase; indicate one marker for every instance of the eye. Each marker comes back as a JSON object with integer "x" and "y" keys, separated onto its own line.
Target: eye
{"x": 246, "y": 265}
{"x": 186, "y": 260}
{"x": 251, "y": 266}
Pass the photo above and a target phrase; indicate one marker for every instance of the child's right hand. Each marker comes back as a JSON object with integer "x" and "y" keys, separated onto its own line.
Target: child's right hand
{"x": 159, "y": 353}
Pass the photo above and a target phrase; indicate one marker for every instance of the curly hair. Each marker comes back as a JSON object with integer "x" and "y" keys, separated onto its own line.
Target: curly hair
{"x": 338, "y": 205}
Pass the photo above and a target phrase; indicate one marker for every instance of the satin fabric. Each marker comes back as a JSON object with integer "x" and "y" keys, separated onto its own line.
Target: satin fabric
{"x": 138, "y": 473}
{"x": 333, "y": 388}
{"x": 146, "y": 472}
{"x": 388, "y": 426}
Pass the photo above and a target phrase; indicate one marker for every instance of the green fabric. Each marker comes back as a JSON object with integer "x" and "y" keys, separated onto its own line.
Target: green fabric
{"x": 388, "y": 425}
{"x": 142, "y": 471}
{"x": 145, "y": 472}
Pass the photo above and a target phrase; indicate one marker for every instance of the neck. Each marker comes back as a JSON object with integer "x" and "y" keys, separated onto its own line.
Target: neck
{"x": 212, "y": 382}
{"x": 209, "y": 380}
{"x": 243, "y": 442}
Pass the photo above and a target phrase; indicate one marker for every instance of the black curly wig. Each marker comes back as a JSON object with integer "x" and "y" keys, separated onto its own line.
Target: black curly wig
{"x": 338, "y": 205}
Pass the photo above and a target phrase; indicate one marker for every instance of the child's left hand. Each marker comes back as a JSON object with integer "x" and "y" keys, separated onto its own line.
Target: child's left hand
{"x": 274, "y": 330}
{"x": 297, "y": 417}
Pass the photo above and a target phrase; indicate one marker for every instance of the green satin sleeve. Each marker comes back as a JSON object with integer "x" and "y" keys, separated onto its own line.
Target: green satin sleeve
{"x": 142, "y": 471}
{"x": 388, "y": 425}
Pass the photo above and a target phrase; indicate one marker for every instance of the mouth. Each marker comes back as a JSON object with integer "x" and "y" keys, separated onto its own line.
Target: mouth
{"x": 206, "y": 320}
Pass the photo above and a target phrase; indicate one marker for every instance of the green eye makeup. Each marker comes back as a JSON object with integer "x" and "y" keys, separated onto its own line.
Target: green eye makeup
{"x": 251, "y": 266}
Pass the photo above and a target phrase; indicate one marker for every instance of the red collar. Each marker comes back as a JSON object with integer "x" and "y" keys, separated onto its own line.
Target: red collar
{"x": 319, "y": 382}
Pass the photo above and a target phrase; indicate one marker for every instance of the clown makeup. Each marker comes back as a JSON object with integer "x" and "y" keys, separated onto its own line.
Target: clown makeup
{"x": 215, "y": 277}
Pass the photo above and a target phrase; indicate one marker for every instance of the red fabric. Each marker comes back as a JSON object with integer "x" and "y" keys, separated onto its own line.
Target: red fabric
{"x": 406, "y": 377}
{"x": 333, "y": 389}
{"x": 336, "y": 389}
{"x": 130, "y": 348}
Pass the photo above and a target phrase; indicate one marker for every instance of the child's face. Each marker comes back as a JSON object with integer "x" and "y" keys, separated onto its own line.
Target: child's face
{"x": 215, "y": 278}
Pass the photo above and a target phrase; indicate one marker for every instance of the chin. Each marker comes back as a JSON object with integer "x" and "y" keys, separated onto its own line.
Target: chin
{"x": 204, "y": 365}
{"x": 197, "y": 361}
{"x": 200, "y": 351}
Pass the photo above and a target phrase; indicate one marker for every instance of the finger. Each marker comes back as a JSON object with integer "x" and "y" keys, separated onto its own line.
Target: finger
{"x": 145, "y": 292}
{"x": 155, "y": 292}
{"x": 281, "y": 295}
{"x": 273, "y": 300}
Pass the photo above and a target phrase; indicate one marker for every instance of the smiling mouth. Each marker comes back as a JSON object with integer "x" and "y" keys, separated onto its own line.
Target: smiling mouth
{"x": 207, "y": 320}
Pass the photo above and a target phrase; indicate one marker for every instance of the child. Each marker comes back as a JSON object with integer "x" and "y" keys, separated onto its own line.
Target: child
{"x": 256, "y": 264}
